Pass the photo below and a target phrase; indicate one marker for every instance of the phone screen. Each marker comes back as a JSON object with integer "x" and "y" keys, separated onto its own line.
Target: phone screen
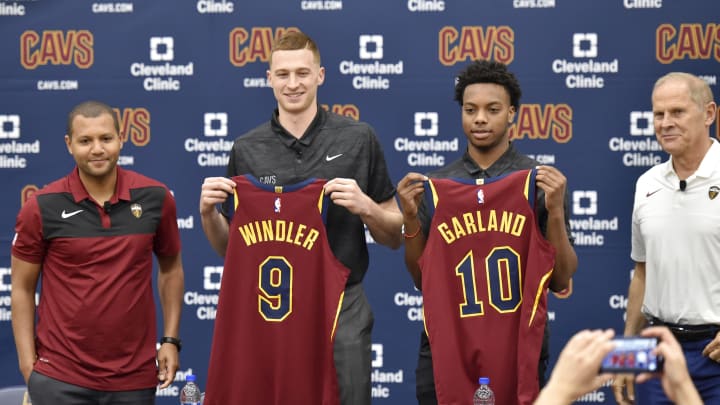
{"x": 632, "y": 355}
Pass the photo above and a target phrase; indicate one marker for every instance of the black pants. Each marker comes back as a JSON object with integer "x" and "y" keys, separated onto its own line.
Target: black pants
{"x": 352, "y": 349}
{"x": 44, "y": 390}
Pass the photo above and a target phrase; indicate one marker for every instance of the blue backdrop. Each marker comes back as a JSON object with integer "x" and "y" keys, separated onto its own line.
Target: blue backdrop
{"x": 187, "y": 77}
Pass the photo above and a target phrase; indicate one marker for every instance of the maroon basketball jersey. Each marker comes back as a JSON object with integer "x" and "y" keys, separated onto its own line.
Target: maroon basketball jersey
{"x": 485, "y": 271}
{"x": 280, "y": 296}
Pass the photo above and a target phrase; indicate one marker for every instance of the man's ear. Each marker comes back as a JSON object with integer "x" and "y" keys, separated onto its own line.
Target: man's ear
{"x": 68, "y": 141}
{"x": 321, "y": 76}
{"x": 711, "y": 114}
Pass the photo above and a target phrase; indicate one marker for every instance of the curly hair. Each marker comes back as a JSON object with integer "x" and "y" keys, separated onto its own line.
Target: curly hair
{"x": 483, "y": 71}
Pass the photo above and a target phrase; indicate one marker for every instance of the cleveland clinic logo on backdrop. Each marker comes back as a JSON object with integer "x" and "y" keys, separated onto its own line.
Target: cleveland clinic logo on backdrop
{"x": 585, "y": 70}
{"x": 215, "y": 7}
{"x": 425, "y": 149}
{"x": 205, "y": 302}
{"x": 213, "y": 149}
{"x": 5, "y": 288}
{"x": 370, "y": 73}
{"x": 184, "y": 223}
{"x": 12, "y": 9}
{"x": 413, "y": 302}
{"x": 587, "y": 228}
{"x": 160, "y": 74}
{"x": 639, "y": 148}
{"x": 380, "y": 378}
{"x": 426, "y": 6}
{"x": 642, "y": 3}
{"x": 13, "y": 151}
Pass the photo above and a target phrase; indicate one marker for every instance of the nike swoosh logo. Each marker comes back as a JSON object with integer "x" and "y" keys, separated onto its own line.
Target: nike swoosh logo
{"x": 66, "y": 215}
{"x": 651, "y": 193}
{"x": 329, "y": 158}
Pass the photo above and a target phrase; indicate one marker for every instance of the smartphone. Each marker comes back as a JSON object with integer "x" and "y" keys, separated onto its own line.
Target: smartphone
{"x": 632, "y": 355}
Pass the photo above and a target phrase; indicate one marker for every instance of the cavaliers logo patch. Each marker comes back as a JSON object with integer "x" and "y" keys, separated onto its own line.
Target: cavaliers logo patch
{"x": 136, "y": 210}
{"x": 713, "y": 192}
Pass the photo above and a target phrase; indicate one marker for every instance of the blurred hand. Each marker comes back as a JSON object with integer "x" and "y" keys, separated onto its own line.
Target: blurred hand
{"x": 215, "y": 190}
{"x": 168, "y": 363}
{"x": 553, "y": 183}
{"x": 576, "y": 371}
{"x": 346, "y": 193}
{"x": 676, "y": 380}
{"x": 624, "y": 388}
{"x": 712, "y": 350}
{"x": 410, "y": 192}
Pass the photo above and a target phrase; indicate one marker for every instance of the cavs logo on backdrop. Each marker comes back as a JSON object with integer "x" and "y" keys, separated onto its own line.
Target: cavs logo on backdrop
{"x": 687, "y": 41}
{"x": 134, "y": 124}
{"x": 348, "y": 110}
{"x": 254, "y": 46}
{"x": 543, "y": 122}
{"x": 56, "y": 47}
{"x": 476, "y": 42}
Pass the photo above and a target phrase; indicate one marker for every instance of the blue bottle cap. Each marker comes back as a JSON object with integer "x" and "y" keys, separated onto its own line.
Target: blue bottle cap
{"x": 484, "y": 380}
{"x": 190, "y": 378}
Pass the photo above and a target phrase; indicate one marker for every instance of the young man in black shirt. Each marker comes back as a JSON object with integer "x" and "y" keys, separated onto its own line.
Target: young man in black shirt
{"x": 303, "y": 141}
{"x": 489, "y": 96}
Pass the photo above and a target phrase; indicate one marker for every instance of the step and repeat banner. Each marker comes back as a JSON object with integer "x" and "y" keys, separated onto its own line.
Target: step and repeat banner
{"x": 188, "y": 77}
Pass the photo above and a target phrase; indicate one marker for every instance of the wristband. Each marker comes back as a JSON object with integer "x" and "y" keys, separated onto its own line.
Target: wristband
{"x": 414, "y": 234}
{"x": 174, "y": 341}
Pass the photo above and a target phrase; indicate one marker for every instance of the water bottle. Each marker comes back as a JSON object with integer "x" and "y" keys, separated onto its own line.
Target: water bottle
{"x": 190, "y": 393}
{"x": 484, "y": 395}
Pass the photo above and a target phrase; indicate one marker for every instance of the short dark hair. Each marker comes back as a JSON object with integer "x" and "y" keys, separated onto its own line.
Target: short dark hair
{"x": 92, "y": 109}
{"x": 483, "y": 71}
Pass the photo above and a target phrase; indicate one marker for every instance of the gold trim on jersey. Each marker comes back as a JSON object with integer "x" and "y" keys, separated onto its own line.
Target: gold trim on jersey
{"x": 539, "y": 294}
{"x": 526, "y": 187}
{"x": 337, "y": 315}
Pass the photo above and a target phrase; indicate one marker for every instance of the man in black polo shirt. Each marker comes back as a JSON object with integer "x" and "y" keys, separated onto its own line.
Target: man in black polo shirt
{"x": 489, "y": 96}
{"x": 302, "y": 141}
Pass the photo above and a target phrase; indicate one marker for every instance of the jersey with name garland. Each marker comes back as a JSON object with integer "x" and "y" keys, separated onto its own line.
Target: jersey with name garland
{"x": 485, "y": 272}
{"x": 280, "y": 296}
